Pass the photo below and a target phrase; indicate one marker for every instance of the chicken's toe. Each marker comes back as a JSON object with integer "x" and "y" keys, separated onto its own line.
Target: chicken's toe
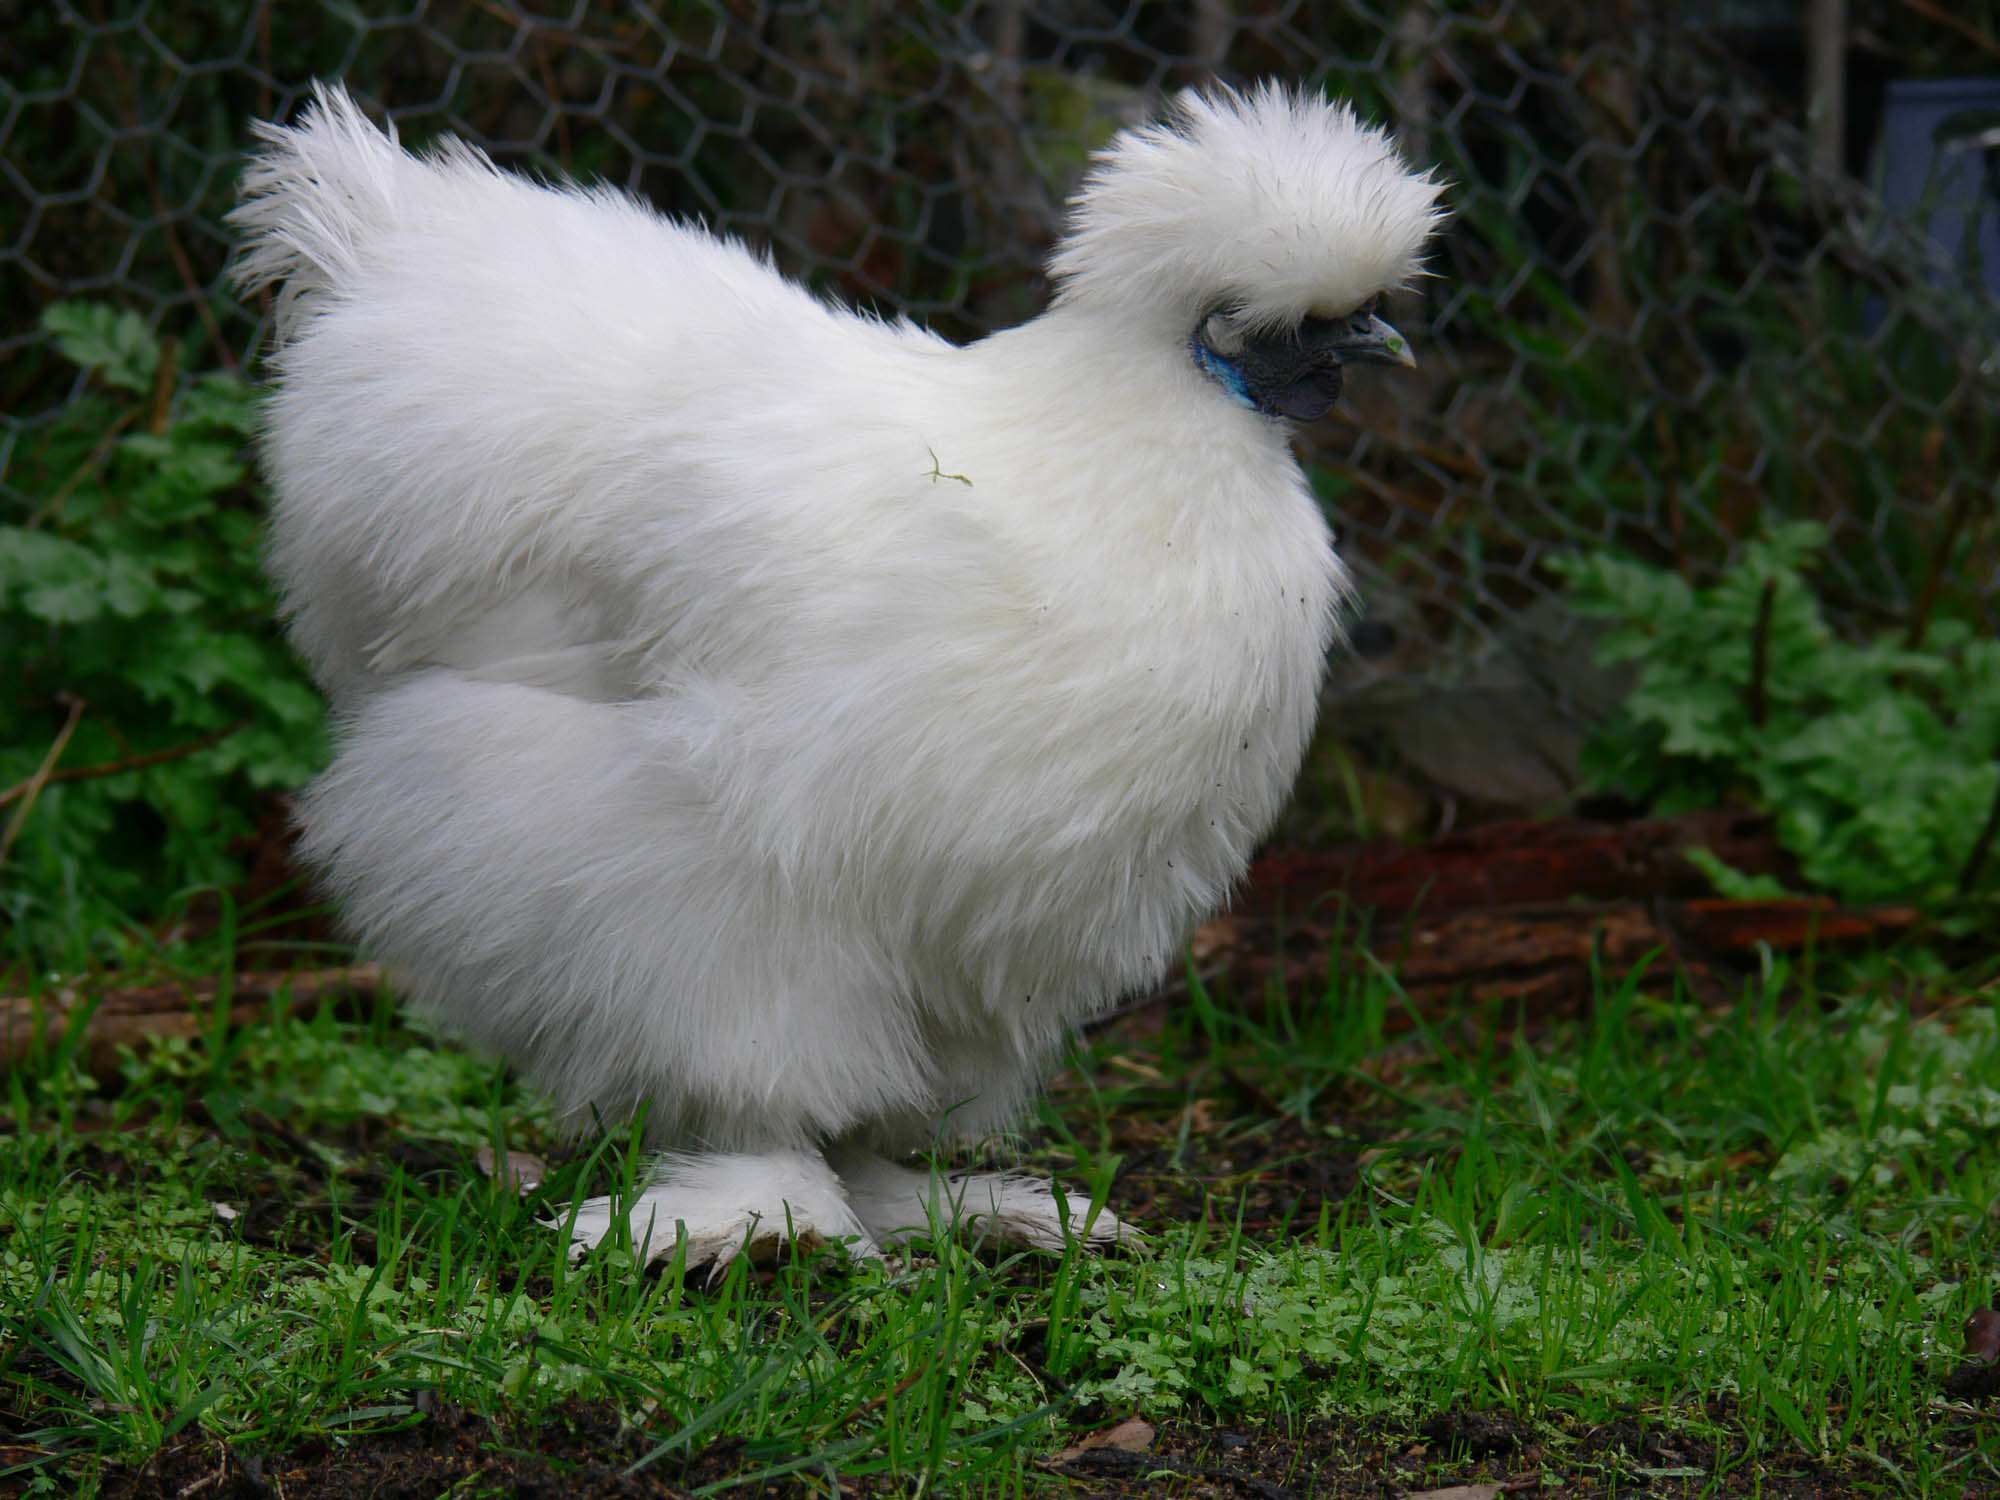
{"x": 725, "y": 1205}
{"x": 895, "y": 1202}
{"x": 1028, "y": 1211}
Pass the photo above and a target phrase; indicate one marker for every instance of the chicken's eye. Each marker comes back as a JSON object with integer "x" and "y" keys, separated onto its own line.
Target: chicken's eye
{"x": 1222, "y": 331}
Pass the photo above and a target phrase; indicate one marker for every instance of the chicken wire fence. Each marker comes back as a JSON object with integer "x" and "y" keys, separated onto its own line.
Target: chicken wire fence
{"x": 1652, "y": 327}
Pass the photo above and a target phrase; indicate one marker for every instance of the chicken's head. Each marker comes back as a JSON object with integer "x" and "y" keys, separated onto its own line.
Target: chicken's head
{"x": 1258, "y": 229}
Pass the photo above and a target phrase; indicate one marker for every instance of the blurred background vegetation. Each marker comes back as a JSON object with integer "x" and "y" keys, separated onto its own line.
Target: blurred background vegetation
{"x": 1691, "y": 499}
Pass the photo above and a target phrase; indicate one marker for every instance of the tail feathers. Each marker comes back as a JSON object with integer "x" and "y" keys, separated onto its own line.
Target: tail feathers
{"x": 312, "y": 198}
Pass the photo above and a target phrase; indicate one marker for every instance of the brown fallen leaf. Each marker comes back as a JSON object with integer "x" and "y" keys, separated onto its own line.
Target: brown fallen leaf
{"x": 524, "y": 1172}
{"x": 1133, "y": 1435}
{"x": 1459, "y": 1492}
{"x": 1203, "y": 1115}
{"x": 1217, "y": 935}
{"x": 1982, "y": 1337}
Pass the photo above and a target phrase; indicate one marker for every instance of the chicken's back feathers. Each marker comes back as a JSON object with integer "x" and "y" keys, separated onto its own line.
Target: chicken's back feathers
{"x": 769, "y": 711}
{"x": 313, "y": 200}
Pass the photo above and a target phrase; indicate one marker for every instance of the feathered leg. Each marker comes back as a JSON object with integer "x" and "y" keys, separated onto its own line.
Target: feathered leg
{"x": 896, "y": 1203}
{"x": 725, "y": 1204}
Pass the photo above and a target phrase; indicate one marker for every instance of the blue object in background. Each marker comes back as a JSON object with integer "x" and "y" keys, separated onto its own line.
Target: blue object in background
{"x": 1939, "y": 167}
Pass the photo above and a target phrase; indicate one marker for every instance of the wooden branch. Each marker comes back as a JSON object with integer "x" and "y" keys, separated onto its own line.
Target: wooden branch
{"x": 1826, "y": 82}
{"x": 1935, "y": 568}
{"x": 164, "y": 217}
{"x": 1464, "y": 465}
{"x": 143, "y": 762}
{"x": 128, "y": 1017}
{"x": 30, "y": 789}
{"x": 1982, "y": 847}
{"x": 1381, "y": 489}
{"x": 1549, "y": 958}
{"x": 53, "y": 505}
{"x": 1934, "y": 12}
{"x": 163, "y": 385}
{"x": 1529, "y": 913}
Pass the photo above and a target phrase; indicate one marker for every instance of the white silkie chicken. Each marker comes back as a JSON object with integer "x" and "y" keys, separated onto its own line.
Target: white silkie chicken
{"x": 784, "y": 719}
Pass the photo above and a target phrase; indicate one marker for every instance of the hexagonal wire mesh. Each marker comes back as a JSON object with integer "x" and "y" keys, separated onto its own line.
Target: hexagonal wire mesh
{"x": 1652, "y": 325}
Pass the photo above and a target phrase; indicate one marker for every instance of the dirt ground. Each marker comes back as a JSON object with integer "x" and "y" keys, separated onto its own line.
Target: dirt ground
{"x": 583, "y": 1454}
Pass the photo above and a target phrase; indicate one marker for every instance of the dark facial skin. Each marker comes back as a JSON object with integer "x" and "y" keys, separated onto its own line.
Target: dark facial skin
{"x": 1297, "y": 374}
{"x": 1293, "y": 376}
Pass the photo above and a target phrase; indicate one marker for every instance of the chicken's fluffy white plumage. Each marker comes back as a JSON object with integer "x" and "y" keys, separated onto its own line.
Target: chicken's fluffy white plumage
{"x": 780, "y": 717}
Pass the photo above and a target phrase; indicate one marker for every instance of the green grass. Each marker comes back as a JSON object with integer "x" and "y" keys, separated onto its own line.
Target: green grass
{"x": 1756, "y": 1231}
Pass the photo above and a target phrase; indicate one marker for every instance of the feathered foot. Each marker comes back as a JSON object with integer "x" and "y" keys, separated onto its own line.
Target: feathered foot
{"x": 725, "y": 1205}
{"x": 896, "y": 1202}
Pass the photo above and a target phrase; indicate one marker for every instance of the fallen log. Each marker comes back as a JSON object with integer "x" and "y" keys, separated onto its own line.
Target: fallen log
{"x": 1515, "y": 864}
{"x": 1533, "y": 912}
{"x": 125, "y": 1017}
{"x": 1526, "y": 912}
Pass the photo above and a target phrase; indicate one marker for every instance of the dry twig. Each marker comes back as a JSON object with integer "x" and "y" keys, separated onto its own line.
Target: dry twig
{"x": 139, "y": 762}
{"x": 31, "y": 789}
{"x": 1934, "y": 12}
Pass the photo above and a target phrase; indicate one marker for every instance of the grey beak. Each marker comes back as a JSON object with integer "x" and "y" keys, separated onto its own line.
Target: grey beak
{"x": 1365, "y": 338}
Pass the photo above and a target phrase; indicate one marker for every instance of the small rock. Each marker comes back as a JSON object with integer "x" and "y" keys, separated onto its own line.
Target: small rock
{"x": 1982, "y": 1337}
{"x": 523, "y": 1172}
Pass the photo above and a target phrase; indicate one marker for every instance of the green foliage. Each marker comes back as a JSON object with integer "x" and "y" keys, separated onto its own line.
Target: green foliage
{"x": 131, "y": 601}
{"x": 1878, "y": 760}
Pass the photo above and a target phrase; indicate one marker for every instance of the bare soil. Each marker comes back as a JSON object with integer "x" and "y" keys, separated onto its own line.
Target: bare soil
{"x": 584, "y": 1454}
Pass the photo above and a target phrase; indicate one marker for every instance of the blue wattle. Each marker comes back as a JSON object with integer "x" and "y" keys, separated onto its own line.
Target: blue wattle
{"x": 1225, "y": 370}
